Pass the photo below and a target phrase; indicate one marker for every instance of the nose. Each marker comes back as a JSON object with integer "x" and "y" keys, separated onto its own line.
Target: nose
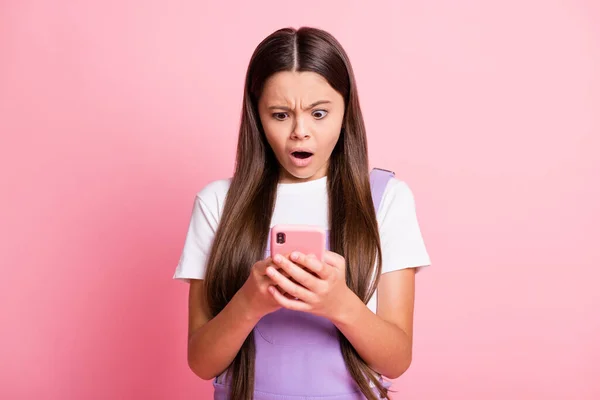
{"x": 300, "y": 130}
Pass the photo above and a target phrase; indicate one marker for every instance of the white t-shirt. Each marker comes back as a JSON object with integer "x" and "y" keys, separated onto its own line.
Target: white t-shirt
{"x": 402, "y": 244}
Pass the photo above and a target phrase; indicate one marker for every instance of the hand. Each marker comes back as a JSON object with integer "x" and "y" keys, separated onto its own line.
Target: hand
{"x": 255, "y": 291}
{"x": 319, "y": 287}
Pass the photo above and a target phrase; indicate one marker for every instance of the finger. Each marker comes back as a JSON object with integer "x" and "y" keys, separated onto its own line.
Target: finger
{"x": 262, "y": 266}
{"x": 298, "y": 273}
{"x": 275, "y": 285}
{"x": 280, "y": 290}
{"x": 288, "y": 286}
{"x": 290, "y": 304}
{"x": 312, "y": 263}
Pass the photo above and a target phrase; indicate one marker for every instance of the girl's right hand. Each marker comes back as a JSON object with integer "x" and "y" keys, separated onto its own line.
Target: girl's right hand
{"x": 255, "y": 291}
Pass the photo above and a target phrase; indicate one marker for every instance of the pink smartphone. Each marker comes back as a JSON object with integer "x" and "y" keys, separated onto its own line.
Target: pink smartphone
{"x": 307, "y": 239}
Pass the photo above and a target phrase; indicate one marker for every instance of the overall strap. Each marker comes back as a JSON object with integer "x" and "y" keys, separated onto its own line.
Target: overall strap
{"x": 379, "y": 179}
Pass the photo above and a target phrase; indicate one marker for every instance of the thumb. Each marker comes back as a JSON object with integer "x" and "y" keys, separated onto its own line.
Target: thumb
{"x": 262, "y": 265}
{"x": 334, "y": 259}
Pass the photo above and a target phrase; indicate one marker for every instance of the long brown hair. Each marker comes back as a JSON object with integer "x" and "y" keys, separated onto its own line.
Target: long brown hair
{"x": 241, "y": 237}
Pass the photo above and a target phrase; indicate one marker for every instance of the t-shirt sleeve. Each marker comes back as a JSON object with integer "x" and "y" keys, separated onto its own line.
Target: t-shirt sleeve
{"x": 402, "y": 243}
{"x": 198, "y": 241}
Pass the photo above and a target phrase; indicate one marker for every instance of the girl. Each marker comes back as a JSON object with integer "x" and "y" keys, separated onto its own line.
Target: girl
{"x": 296, "y": 327}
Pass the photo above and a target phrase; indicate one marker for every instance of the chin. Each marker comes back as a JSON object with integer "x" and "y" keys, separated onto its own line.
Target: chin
{"x": 295, "y": 175}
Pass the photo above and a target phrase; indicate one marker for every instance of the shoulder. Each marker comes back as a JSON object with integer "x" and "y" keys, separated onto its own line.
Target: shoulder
{"x": 401, "y": 238}
{"x": 216, "y": 188}
{"x": 212, "y": 195}
{"x": 398, "y": 197}
{"x": 397, "y": 187}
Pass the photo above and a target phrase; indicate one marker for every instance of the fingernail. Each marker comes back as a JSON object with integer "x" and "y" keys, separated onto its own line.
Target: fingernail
{"x": 277, "y": 258}
{"x": 294, "y": 256}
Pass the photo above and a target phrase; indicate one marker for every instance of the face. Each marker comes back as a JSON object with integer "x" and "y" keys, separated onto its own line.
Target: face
{"x": 302, "y": 118}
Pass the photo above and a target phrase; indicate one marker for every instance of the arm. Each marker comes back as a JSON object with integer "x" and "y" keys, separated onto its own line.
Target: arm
{"x": 383, "y": 340}
{"x": 214, "y": 343}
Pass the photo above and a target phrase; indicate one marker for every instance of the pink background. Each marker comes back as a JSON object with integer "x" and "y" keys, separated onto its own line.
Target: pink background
{"x": 113, "y": 114}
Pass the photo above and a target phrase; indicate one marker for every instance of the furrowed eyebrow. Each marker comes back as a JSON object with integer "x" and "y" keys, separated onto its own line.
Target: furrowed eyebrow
{"x": 316, "y": 103}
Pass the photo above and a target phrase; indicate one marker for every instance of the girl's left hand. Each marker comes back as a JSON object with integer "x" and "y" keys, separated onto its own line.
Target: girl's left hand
{"x": 321, "y": 292}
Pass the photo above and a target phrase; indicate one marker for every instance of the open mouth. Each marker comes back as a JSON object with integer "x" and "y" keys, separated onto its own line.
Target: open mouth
{"x": 301, "y": 158}
{"x": 301, "y": 154}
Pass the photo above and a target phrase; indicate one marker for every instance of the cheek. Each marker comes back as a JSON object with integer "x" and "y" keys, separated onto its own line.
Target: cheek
{"x": 332, "y": 142}
{"x": 270, "y": 130}
{"x": 332, "y": 136}
{"x": 275, "y": 136}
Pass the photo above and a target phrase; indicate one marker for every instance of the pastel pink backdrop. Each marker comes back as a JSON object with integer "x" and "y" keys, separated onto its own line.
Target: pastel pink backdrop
{"x": 114, "y": 114}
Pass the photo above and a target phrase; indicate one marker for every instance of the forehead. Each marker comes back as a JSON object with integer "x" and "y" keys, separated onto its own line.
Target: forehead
{"x": 288, "y": 86}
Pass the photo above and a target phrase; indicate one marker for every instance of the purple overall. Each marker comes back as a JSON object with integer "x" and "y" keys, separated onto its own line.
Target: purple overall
{"x": 298, "y": 355}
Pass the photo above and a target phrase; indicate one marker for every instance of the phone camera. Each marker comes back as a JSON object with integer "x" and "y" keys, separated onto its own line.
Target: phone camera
{"x": 280, "y": 237}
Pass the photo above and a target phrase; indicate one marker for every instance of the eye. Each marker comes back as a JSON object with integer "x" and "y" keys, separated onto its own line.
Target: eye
{"x": 319, "y": 114}
{"x": 280, "y": 116}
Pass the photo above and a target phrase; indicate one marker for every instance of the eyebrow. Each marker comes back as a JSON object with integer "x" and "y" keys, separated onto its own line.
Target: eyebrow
{"x": 316, "y": 103}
